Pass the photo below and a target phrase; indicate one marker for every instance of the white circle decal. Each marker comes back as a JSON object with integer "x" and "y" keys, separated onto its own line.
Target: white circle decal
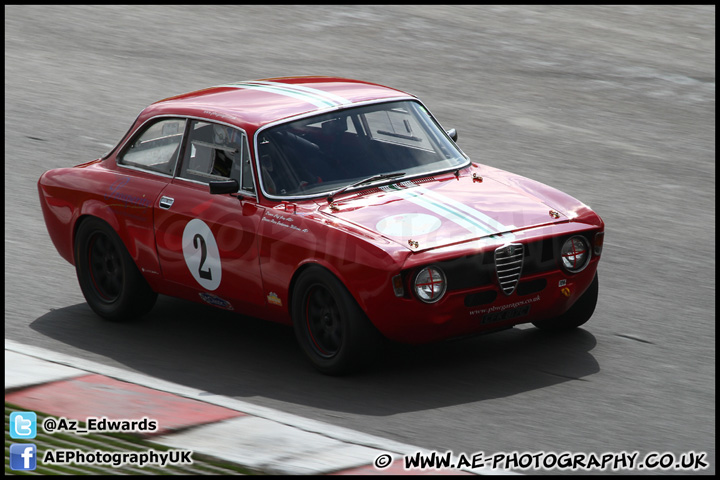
{"x": 408, "y": 225}
{"x": 201, "y": 254}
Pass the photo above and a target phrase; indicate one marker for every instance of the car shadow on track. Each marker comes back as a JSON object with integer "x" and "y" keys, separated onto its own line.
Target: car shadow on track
{"x": 223, "y": 353}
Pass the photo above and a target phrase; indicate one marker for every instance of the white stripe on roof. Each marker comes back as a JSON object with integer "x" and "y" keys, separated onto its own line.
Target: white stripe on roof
{"x": 318, "y": 102}
{"x": 331, "y": 96}
{"x": 314, "y": 96}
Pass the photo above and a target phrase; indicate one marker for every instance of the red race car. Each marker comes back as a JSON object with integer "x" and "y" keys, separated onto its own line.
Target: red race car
{"x": 337, "y": 206}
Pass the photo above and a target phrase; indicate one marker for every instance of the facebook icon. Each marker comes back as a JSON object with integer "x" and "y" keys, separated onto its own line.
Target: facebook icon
{"x": 23, "y": 456}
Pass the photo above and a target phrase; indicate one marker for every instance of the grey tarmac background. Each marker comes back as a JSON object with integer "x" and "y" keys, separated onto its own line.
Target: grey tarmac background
{"x": 612, "y": 104}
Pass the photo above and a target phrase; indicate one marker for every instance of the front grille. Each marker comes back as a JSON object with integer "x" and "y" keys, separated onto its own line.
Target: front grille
{"x": 478, "y": 270}
{"x": 508, "y": 265}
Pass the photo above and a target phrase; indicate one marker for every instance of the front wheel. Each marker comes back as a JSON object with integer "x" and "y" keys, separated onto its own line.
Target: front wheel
{"x": 109, "y": 279}
{"x": 332, "y": 330}
{"x": 578, "y": 314}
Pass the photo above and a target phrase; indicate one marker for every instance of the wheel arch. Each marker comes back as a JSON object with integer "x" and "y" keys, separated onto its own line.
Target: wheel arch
{"x": 93, "y": 209}
{"x": 337, "y": 337}
{"x": 113, "y": 286}
{"x": 140, "y": 245}
{"x": 363, "y": 266}
{"x": 314, "y": 263}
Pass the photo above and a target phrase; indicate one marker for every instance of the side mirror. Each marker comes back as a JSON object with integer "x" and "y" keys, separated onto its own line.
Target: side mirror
{"x": 452, "y": 133}
{"x": 225, "y": 186}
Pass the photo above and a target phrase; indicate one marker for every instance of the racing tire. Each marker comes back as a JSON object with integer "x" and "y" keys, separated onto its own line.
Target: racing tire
{"x": 577, "y": 315}
{"x": 331, "y": 328}
{"x": 109, "y": 279}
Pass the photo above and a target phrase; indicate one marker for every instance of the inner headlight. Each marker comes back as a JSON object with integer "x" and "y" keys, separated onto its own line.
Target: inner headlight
{"x": 575, "y": 254}
{"x": 430, "y": 284}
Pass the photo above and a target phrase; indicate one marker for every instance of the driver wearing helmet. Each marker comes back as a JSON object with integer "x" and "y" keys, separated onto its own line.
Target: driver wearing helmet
{"x": 223, "y": 156}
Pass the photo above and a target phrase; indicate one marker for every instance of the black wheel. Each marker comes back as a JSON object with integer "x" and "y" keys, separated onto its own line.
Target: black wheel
{"x": 330, "y": 327}
{"x": 109, "y": 279}
{"x": 578, "y": 314}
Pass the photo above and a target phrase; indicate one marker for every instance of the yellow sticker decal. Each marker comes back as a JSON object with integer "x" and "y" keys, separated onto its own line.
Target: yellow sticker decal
{"x": 273, "y": 299}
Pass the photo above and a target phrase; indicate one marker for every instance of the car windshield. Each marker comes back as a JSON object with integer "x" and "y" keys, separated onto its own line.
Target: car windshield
{"x": 324, "y": 153}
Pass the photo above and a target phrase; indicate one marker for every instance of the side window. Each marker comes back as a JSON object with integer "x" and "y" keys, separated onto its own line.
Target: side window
{"x": 217, "y": 152}
{"x": 156, "y": 149}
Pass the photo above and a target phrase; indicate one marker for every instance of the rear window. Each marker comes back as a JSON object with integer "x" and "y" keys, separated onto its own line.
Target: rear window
{"x": 156, "y": 148}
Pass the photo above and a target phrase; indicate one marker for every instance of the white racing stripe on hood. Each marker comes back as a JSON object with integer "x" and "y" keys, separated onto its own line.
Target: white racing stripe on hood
{"x": 470, "y": 219}
{"x": 499, "y": 227}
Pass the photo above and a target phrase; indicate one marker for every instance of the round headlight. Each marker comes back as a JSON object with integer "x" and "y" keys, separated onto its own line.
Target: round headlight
{"x": 575, "y": 254}
{"x": 430, "y": 284}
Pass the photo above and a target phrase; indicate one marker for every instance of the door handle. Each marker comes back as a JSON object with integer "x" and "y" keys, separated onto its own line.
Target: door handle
{"x": 166, "y": 202}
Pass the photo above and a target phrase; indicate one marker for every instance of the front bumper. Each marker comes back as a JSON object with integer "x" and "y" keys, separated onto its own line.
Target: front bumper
{"x": 471, "y": 311}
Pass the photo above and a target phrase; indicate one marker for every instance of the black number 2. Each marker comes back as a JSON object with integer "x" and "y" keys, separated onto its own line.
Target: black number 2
{"x": 206, "y": 274}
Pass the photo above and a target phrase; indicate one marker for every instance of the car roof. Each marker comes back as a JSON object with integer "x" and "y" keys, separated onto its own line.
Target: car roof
{"x": 252, "y": 104}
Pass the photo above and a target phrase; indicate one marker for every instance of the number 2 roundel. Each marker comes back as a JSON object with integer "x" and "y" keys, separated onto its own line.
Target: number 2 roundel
{"x": 201, "y": 254}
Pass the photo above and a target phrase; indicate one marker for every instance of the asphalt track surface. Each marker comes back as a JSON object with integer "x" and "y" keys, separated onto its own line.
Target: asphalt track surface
{"x": 612, "y": 104}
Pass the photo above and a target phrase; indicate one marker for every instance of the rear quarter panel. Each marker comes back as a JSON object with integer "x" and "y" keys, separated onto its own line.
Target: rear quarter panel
{"x": 122, "y": 198}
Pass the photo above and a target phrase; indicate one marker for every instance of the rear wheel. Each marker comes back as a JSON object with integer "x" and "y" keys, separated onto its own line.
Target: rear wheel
{"x": 578, "y": 314}
{"x": 332, "y": 330}
{"x": 109, "y": 279}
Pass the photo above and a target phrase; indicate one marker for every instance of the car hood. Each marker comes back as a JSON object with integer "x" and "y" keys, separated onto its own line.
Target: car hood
{"x": 426, "y": 214}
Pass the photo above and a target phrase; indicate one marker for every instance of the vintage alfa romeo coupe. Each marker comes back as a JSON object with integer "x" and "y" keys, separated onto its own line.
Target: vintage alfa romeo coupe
{"x": 337, "y": 206}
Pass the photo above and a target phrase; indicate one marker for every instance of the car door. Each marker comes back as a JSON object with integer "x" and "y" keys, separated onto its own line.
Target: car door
{"x": 206, "y": 243}
{"x": 146, "y": 165}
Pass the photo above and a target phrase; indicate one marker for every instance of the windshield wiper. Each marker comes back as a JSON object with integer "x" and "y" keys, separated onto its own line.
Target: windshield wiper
{"x": 374, "y": 178}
